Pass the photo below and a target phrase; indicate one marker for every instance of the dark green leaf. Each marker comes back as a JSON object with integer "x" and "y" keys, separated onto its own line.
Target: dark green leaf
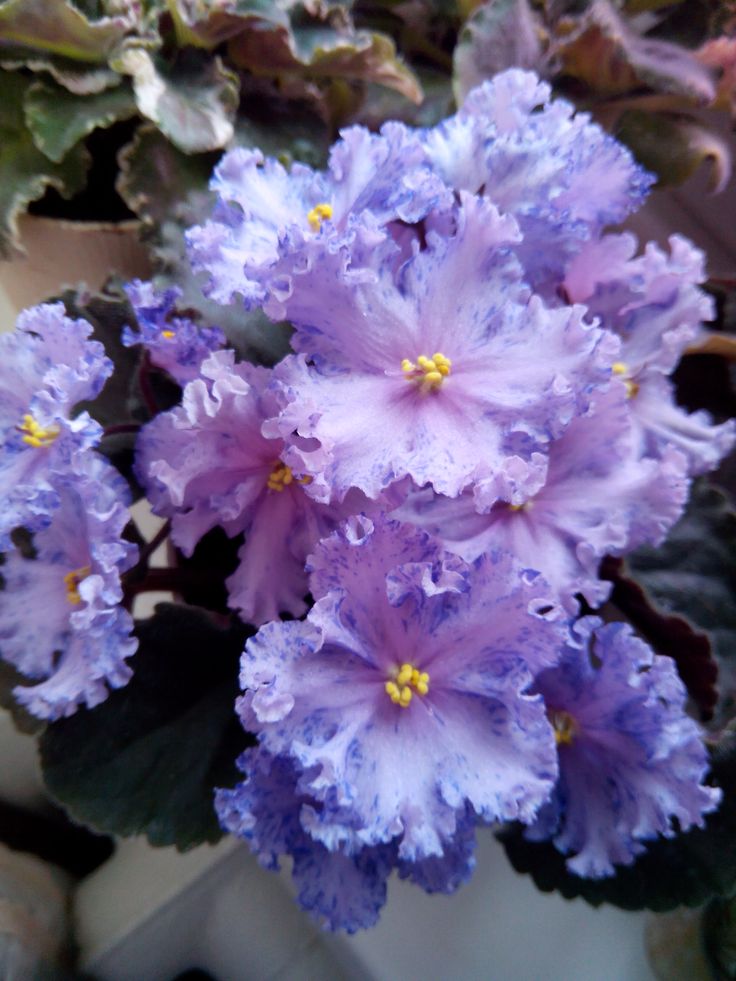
{"x": 156, "y": 178}
{"x": 501, "y": 34}
{"x": 78, "y": 77}
{"x": 193, "y": 102}
{"x": 147, "y": 760}
{"x": 693, "y": 574}
{"x": 120, "y": 400}
{"x": 25, "y": 172}
{"x": 58, "y": 119}
{"x": 314, "y": 48}
{"x": 674, "y": 146}
{"x": 669, "y": 635}
{"x": 719, "y": 938}
{"x": 197, "y": 23}
{"x": 605, "y": 53}
{"x": 686, "y": 870}
{"x": 57, "y": 27}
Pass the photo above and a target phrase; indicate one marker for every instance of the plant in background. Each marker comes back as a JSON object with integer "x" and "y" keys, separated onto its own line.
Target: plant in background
{"x": 427, "y": 442}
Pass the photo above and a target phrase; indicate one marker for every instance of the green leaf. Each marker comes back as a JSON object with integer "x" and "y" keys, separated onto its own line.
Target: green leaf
{"x": 500, "y": 34}
{"x": 58, "y": 119}
{"x": 80, "y": 78}
{"x": 380, "y": 104}
{"x": 674, "y": 146}
{"x": 310, "y": 48}
{"x": 25, "y": 172}
{"x": 683, "y": 871}
{"x": 108, "y": 312}
{"x": 193, "y": 102}
{"x": 669, "y": 635}
{"x": 147, "y": 760}
{"x": 197, "y": 24}
{"x": 156, "y": 178}
{"x": 693, "y": 574}
{"x": 57, "y": 27}
{"x": 611, "y": 59}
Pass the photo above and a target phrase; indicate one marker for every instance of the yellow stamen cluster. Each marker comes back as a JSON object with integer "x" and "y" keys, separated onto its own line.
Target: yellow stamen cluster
{"x": 407, "y": 677}
{"x": 168, "y": 334}
{"x": 564, "y": 726}
{"x": 72, "y": 581}
{"x": 318, "y": 214}
{"x": 281, "y": 476}
{"x": 35, "y": 435}
{"x": 621, "y": 368}
{"x": 429, "y": 372}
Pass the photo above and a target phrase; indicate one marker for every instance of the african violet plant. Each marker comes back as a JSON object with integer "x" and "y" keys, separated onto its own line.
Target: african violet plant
{"x": 400, "y": 613}
{"x": 183, "y": 79}
{"x": 428, "y": 451}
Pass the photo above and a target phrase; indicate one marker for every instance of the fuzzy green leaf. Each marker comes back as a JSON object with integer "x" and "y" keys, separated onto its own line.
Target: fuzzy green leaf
{"x": 147, "y": 760}
{"x": 25, "y": 172}
{"x": 193, "y": 102}
{"x": 77, "y": 77}
{"x": 311, "y": 48}
{"x": 58, "y": 119}
{"x": 693, "y": 574}
{"x": 500, "y": 34}
{"x": 674, "y": 146}
{"x": 611, "y": 59}
{"x": 58, "y": 27}
{"x": 197, "y": 24}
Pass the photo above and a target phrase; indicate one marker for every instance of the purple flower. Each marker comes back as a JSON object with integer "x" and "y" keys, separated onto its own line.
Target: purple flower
{"x": 60, "y": 618}
{"x": 207, "y": 464}
{"x": 594, "y": 496}
{"x": 631, "y": 760}
{"x": 402, "y": 697}
{"x": 175, "y": 344}
{"x": 654, "y": 303}
{"x": 48, "y": 367}
{"x": 266, "y": 214}
{"x": 345, "y": 892}
{"x": 440, "y": 371}
{"x": 560, "y": 175}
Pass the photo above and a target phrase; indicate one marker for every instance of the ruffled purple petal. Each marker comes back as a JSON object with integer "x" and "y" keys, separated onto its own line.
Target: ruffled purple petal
{"x": 633, "y": 763}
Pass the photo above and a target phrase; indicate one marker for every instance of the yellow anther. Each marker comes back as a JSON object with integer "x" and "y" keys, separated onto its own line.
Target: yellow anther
{"x": 280, "y": 477}
{"x": 565, "y": 727}
{"x": 622, "y": 369}
{"x": 318, "y": 214}
{"x": 406, "y": 678}
{"x": 35, "y": 435}
{"x": 428, "y": 372}
{"x": 72, "y": 581}
{"x": 168, "y": 334}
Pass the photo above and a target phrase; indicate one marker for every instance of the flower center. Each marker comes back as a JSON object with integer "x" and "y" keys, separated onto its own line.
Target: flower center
{"x": 399, "y": 690}
{"x": 72, "y": 580}
{"x": 35, "y": 435}
{"x": 428, "y": 372}
{"x": 168, "y": 333}
{"x": 318, "y": 214}
{"x": 281, "y": 476}
{"x": 622, "y": 369}
{"x": 564, "y": 725}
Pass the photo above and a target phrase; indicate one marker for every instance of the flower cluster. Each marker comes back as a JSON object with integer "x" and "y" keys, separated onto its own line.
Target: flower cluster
{"x": 476, "y": 411}
{"x": 61, "y": 622}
